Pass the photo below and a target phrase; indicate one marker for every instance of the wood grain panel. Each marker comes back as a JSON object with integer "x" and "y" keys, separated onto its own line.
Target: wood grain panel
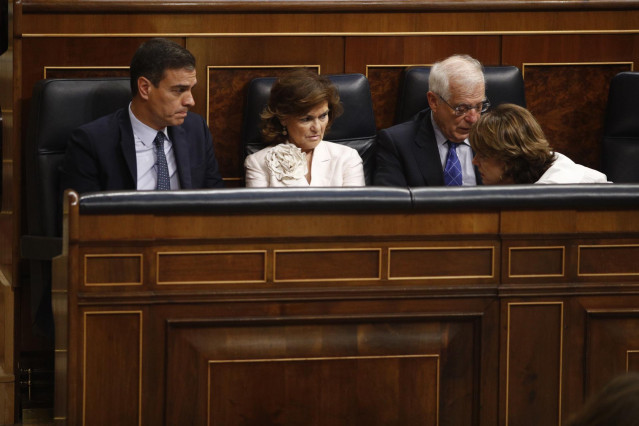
{"x": 332, "y": 371}
{"x": 227, "y": 90}
{"x": 385, "y": 84}
{"x": 536, "y": 262}
{"x": 112, "y": 382}
{"x": 569, "y": 101}
{"x": 382, "y": 56}
{"x": 607, "y": 260}
{"x": 86, "y": 72}
{"x": 211, "y": 267}
{"x": 113, "y": 269}
{"x": 331, "y": 265}
{"x": 364, "y": 20}
{"x": 533, "y": 376}
{"x": 612, "y": 342}
{"x": 343, "y": 390}
{"x": 441, "y": 262}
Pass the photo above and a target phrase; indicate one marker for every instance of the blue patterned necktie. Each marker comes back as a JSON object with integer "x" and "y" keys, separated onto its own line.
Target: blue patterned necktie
{"x": 452, "y": 170}
{"x": 164, "y": 181}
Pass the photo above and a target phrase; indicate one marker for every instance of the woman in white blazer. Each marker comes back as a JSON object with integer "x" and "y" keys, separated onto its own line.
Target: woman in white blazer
{"x": 510, "y": 147}
{"x": 301, "y": 107}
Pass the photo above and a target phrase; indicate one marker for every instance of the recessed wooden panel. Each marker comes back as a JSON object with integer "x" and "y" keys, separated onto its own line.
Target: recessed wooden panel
{"x": 441, "y": 262}
{"x": 112, "y": 269}
{"x": 211, "y": 267}
{"x": 611, "y": 260}
{"x": 535, "y": 262}
{"x": 569, "y": 101}
{"x": 112, "y": 373}
{"x": 338, "y": 371}
{"x": 331, "y": 265}
{"x": 385, "y": 85}
{"x": 632, "y": 360}
{"x": 325, "y": 391}
{"x": 534, "y": 355}
{"x": 612, "y": 345}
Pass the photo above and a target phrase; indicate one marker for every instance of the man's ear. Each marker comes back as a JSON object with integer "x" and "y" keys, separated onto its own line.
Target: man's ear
{"x": 432, "y": 100}
{"x": 144, "y": 87}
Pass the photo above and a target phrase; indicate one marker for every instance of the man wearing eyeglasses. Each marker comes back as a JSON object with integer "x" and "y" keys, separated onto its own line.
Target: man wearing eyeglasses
{"x": 433, "y": 149}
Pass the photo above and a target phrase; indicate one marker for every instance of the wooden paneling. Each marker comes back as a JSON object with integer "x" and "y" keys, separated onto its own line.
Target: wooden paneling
{"x": 442, "y": 263}
{"x": 112, "y": 368}
{"x": 270, "y": 321}
{"x": 612, "y": 344}
{"x": 608, "y": 260}
{"x": 115, "y": 269}
{"x": 536, "y": 262}
{"x": 533, "y": 359}
{"x": 315, "y": 372}
{"x": 334, "y": 264}
{"x": 211, "y": 267}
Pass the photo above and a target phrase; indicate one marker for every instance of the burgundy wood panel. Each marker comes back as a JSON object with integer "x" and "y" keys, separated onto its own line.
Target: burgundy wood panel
{"x": 113, "y": 269}
{"x": 612, "y": 343}
{"x": 211, "y": 267}
{"x": 608, "y": 260}
{"x": 341, "y": 372}
{"x": 112, "y": 372}
{"x": 567, "y": 78}
{"x": 332, "y": 264}
{"x": 383, "y": 56}
{"x": 533, "y": 358}
{"x": 385, "y": 83}
{"x": 442, "y": 262}
{"x": 536, "y": 262}
{"x": 569, "y": 101}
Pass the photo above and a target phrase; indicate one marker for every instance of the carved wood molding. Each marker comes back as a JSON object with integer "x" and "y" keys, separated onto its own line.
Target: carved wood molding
{"x": 146, "y": 6}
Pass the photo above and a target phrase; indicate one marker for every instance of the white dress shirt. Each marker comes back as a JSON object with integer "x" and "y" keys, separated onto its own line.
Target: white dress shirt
{"x": 146, "y": 157}
{"x": 464, "y": 153}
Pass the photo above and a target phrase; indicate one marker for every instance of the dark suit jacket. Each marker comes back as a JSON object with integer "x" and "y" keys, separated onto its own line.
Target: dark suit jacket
{"x": 407, "y": 154}
{"x": 101, "y": 155}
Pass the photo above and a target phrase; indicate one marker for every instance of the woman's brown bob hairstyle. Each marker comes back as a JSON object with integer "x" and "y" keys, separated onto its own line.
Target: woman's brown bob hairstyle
{"x": 294, "y": 95}
{"x": 511, "y": 134}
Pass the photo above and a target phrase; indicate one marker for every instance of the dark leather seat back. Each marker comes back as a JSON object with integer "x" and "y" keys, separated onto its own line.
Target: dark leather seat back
{"x": 504, "y": 84}
{"x": 58, "y": 106}
{"x": 354, "y": 128}
{"x": 620, "y": 144}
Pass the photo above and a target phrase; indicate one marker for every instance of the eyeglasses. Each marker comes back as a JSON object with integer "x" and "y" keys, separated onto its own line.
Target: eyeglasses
{"x": 463, "y": 109}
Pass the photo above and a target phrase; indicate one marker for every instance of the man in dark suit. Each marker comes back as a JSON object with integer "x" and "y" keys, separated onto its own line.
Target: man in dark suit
{"x": 418, "y": 152}
{"x": 155, "y": 143}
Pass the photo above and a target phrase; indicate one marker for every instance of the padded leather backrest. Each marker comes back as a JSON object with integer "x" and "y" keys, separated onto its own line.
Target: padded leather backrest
{"x": 354, "y": 128}
{"x": 58, "y": 106}
{"x": 620, "y": 145}
{"x": 504, "y": 84}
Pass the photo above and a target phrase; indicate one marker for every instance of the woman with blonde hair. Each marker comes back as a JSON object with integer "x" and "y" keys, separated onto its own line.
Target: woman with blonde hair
{"x": 510, "y": 147}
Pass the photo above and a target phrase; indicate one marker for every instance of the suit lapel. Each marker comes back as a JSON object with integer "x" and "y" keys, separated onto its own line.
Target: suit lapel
{"x": 127, "y": 144}
{"x": 426, "y": 153}
{"x": 182, "y": 159}
{"x": 321, "y": 165}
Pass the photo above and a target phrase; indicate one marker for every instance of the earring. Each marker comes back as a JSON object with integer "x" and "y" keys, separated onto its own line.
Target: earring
{"x": 284, "y": 132}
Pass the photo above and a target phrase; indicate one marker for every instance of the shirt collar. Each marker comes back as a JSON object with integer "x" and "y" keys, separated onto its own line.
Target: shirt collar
{"x": 439, "y": 136}
{"x": 143, "y": 133}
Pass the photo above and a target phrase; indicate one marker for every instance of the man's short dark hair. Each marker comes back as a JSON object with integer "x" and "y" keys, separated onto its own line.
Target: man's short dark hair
{"x": 154, "y": 57}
